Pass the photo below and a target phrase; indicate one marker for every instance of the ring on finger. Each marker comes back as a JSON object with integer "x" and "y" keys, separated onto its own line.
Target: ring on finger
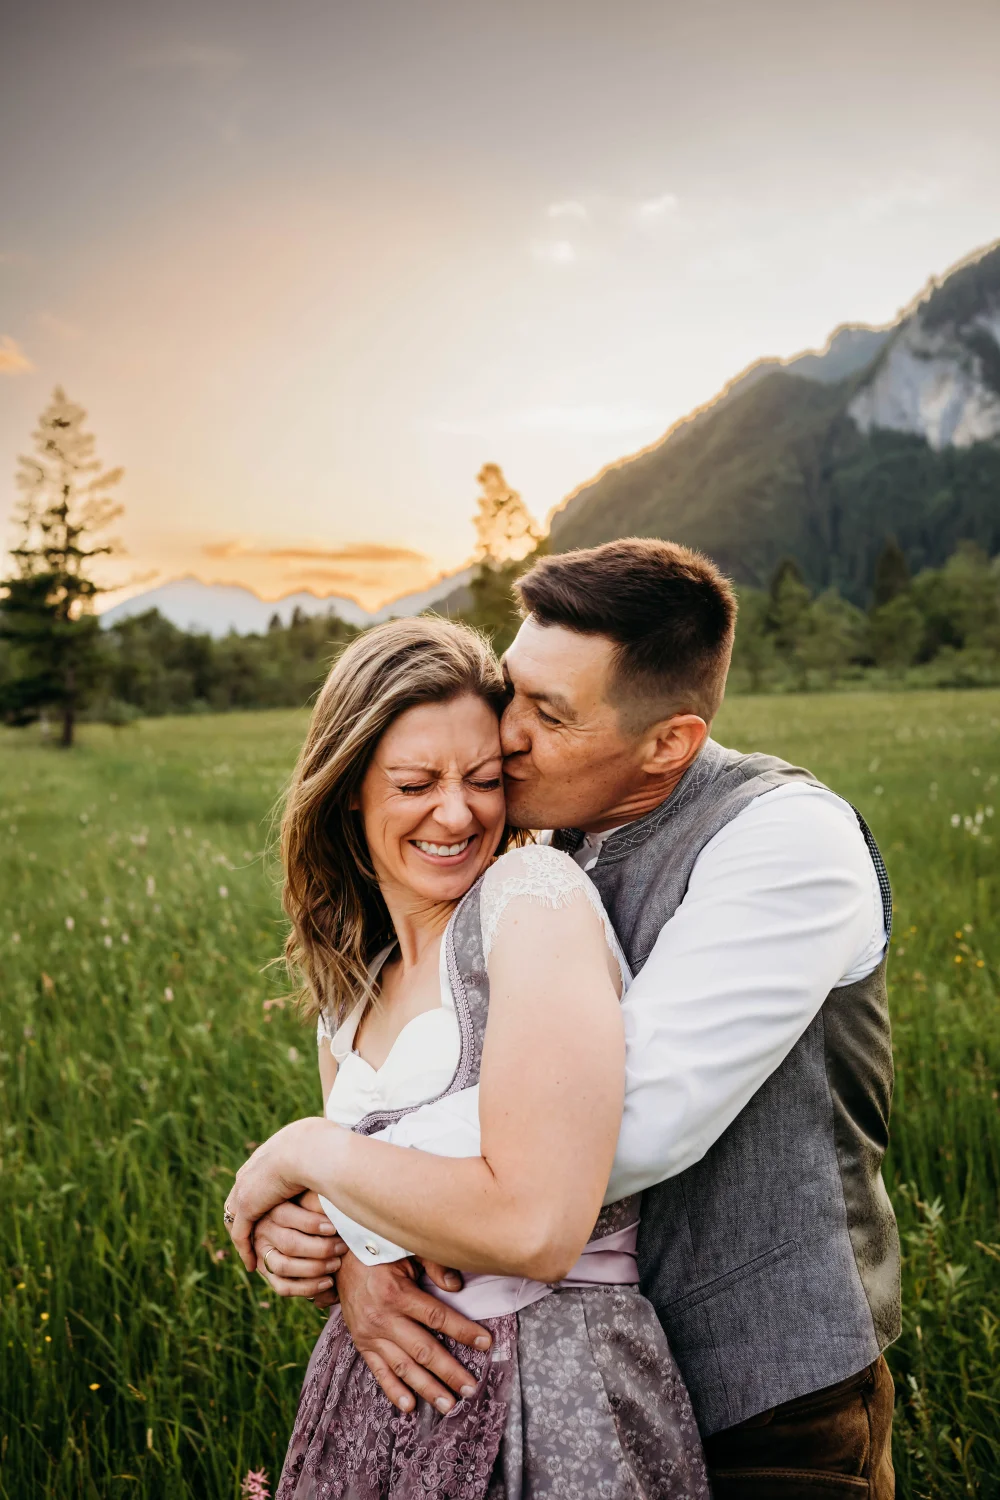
{"x": 267, "y": 1252}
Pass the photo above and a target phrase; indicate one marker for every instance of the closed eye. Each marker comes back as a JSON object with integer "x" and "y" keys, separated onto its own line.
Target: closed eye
{"x": 414, "y": 789}
{"x": 547, "y": 718}
{"x": 487, "y": 786}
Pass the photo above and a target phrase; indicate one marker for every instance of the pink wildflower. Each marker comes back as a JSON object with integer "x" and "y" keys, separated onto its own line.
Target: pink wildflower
{"x": 255, "y": 1485}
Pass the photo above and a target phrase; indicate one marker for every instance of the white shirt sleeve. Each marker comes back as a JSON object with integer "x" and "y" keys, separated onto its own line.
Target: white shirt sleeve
{"x": 783, "y": 906}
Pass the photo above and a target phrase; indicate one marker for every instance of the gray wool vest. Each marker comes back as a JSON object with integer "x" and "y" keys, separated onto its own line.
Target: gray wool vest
{"x": 773, "y": 1262}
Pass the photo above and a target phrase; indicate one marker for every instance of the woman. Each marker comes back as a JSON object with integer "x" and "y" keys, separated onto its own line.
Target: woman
{"x": 468, "y": 1006}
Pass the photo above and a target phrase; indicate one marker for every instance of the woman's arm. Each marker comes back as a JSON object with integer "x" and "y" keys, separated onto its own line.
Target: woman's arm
{"x": 551, "y": 1094}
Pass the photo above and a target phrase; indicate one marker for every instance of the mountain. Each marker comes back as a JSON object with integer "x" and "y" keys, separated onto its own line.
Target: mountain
{"x": 891, "y": 430}
{"x": 218, "y": 608}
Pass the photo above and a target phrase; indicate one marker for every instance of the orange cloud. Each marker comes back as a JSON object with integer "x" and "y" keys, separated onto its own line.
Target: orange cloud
{"x": 374, "y": 554}
{"x": 13, "y": 360}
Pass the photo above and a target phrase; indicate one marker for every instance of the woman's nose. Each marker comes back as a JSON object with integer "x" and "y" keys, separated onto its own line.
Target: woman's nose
{"x": 453, "y": 809}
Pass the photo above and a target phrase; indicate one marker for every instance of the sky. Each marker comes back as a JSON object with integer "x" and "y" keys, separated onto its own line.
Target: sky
{"x": 309, "y": 266}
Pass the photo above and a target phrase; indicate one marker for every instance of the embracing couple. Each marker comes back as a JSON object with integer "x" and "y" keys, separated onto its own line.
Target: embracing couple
{"x": 632, "y": 1080}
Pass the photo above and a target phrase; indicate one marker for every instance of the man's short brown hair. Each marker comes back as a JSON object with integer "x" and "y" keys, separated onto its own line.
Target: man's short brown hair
{"x": 669, "y": 611}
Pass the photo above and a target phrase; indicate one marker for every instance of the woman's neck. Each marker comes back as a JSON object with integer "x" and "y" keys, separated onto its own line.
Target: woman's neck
{"x": 417, "y": 923}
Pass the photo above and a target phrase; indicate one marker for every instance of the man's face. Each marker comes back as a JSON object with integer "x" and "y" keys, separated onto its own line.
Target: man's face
{"x": 567, "y": 763}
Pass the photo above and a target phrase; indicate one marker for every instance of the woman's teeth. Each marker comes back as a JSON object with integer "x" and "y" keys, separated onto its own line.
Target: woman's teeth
{"x": 442, "y": 849}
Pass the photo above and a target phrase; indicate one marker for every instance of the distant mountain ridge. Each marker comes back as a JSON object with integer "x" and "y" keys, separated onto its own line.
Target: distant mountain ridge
{"x": 217, "y": 608}
{"x": 886, "y": 430}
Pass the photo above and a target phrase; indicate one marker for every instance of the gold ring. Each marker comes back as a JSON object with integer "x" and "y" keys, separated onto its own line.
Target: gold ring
{"x": 267, "y": 1252}
{"x": 228, "y": 1218}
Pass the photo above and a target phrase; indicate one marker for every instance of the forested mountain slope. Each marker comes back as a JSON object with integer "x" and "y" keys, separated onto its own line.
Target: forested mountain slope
{"x": 790, "y": 462}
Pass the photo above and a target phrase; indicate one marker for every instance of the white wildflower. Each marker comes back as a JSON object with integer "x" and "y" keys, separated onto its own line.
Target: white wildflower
{"x": 70, "y": 924}
{"x": 956, "y": 819}
{"x": 124, "y": 937}
{"x": 108, "y": 940}
{"x": 223, "y": 891}
{"x": 168, "y": 993}
{"x": 150, "y": 886}
{"x": 293, "y": 1054}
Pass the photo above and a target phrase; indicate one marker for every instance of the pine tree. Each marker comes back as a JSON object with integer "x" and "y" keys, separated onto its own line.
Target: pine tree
{"x": 892, "y": 573}
{"x": 505, "y": 528}
{"x": 46, "y": 610}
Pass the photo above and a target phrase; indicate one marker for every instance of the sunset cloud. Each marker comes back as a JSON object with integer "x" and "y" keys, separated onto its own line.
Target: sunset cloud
{"x": 650, "y": 210}
{"x": 555, "y": 252}
{"x": 375, "y": 554}
{"x": 570, "y": 208}
{"x": 13, "y": 360}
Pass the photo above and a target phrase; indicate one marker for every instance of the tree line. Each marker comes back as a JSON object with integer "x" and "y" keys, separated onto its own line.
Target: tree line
{"x": 940, "y": 628}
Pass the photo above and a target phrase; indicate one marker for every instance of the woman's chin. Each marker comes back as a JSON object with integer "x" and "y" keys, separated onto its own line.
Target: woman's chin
{"x": 445, "y": 876}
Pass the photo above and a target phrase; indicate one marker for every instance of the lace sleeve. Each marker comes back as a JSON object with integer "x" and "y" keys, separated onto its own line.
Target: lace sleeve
{"x": 549, "y": 877}
{"x": 324, "y": 1029}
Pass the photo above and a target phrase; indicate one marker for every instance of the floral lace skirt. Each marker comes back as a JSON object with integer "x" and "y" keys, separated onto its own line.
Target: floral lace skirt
{"x": 579, "y": 1397}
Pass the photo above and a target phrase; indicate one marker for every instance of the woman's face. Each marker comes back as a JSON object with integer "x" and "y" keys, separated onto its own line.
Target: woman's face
{"x": 432, "y": 799}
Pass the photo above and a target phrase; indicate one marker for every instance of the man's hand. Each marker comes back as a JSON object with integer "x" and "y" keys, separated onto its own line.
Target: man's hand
{"x": 394, "y": 1326}
{"x": 299, "y": 1251}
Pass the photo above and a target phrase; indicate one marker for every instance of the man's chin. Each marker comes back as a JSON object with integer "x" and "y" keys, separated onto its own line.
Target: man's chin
{"x": 525, "y": 806}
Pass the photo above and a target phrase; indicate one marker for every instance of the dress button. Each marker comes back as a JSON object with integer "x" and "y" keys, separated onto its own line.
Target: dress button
{"x": 371, "y": 1248}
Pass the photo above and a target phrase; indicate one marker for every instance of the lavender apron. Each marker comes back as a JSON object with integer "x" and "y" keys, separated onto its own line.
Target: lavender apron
{"x": 579, "y": 1397}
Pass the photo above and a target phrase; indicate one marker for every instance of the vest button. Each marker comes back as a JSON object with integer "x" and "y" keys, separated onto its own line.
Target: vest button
{"x": 371, "y": 1248}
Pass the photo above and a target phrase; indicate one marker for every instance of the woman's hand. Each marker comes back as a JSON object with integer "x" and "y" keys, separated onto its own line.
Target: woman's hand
{"x": 273, "y": 1174}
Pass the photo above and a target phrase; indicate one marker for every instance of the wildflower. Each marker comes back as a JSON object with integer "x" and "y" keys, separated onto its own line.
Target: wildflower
{"x": 150, "y": 886}
{"x": 84, "y": 818}
{"x": 48, "y": 1338}
{"x": 956, "y": 819}
{"x": 223, "y": 892}
{"x": 255, "y": 1485}
{"x": 124, "y": 937}
{"x": 168, "y": 993}
{"x": 107, "y": 940}
{"x": 95, "y": 1385}
{"x": 293, "y": 1054}
{"x": 879, "y": 790}
{"x": 15, "y": 937}
{"x": 958, "y": 935}
{"x": 220, "y": 1254}
{"x": 958, "y": 958}
{"x": 70, "y": 924}
{"x": 45, "y": 1317}
{"x": 980, "y": 963}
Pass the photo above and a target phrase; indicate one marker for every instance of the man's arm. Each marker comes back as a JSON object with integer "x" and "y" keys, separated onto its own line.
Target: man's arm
{"x": 782, "y": 906}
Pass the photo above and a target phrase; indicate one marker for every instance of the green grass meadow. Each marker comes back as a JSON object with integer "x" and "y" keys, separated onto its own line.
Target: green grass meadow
{"x": 140, "y": 1060}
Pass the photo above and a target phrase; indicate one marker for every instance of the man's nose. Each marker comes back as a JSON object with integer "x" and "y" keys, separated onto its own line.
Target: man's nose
{"x": 514, "y": 739}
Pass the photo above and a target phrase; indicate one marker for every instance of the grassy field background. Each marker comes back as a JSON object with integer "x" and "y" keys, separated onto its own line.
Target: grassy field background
{"x": 140, "y": 1060}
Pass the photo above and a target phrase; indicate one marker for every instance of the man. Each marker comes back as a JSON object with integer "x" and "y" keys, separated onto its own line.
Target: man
{"x": 754, "y": 910}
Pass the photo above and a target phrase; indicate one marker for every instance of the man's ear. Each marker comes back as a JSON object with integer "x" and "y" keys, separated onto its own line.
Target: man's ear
{"x": 670, "y": 746}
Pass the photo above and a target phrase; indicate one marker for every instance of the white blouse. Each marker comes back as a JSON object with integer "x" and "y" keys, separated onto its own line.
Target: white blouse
{"x": 422, "y": 1060}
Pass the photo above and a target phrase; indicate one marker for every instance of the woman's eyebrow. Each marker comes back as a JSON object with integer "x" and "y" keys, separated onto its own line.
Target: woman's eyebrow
{"x": 410, "y": 766}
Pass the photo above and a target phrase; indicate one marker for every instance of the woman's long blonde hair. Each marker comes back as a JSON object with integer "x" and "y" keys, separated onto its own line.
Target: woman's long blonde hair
{"x": 331, "y": 895}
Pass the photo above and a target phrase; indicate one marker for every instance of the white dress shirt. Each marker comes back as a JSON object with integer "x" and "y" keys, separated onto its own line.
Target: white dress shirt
{"x": 783, "y": 906}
